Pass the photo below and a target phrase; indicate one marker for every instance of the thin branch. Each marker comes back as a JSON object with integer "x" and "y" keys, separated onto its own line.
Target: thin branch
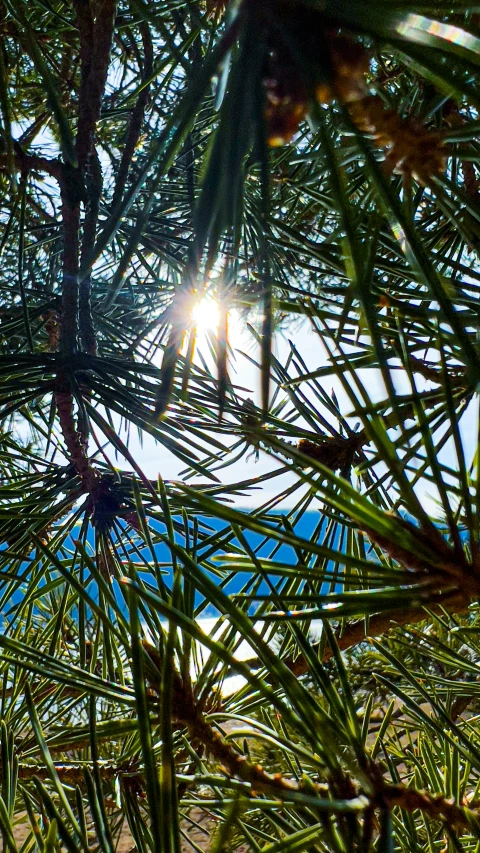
{"x": 74, "y": 441}
{"x": 94, "y": 186}
{"x": 33, "y": 163}
{"x": 71, "y": 194}
{"x": 435, "y": 806}
{"x": 85, "y": 25}
{"x": 94, "y": 72}
{"x": 96, "y": 36}
{"x": 377, "y": 626}
{"x": 187, "y": 711}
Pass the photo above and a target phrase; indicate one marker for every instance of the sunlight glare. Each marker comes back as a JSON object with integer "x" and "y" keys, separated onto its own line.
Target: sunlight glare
{"x": 206, "y": 314}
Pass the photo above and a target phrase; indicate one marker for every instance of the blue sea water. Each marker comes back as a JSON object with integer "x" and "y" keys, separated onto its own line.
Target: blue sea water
{"x": 232, "y": 582}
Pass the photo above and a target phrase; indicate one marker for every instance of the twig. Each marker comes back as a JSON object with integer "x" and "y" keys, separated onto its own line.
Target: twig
{"x": 85, "y": 24}
{"x": 94, "y": 185}
{"x": 94, "y": 71}
{"x": 186, "y": 710}
{"x": 436, "y": 806}
{"x": 75, "y": 445}
{"x": 96, "y": 35}
{"x": 33, "y": 163}
{"x": 72, "y": 192}
{"x": 378, "y": 625}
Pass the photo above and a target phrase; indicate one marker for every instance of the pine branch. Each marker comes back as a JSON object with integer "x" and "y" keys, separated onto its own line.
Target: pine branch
{"x": 94, "y": 186}
{"x": 434, "y": 806}
{"x": 377, "y": 626}
{"x": 26, "y": 163}
{"x": 187, "y": 711}
{"x": 96, "y": 37}
{"x": 71, "y": 197}
{"x": 75, "y": 443}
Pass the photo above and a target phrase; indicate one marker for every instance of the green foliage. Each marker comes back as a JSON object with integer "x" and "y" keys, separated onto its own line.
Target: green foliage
{"x": 303, "y": 162}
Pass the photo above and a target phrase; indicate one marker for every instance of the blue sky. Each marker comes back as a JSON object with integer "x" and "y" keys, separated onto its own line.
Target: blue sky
{"x": 156, "y": 460}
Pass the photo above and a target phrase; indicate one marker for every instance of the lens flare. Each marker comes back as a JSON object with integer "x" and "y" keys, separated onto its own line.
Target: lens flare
{"x": 205, "y": 314}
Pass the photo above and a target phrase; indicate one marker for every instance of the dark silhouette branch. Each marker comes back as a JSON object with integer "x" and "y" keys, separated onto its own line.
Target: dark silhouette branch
{"x": 71, "y": 229}
{"x": 96, "y": 36}
{"x": 33, "y": 163}
{"x": 94, "y": 184}
{"x": 75, "y": 442}
{"x": 95, "y": 45}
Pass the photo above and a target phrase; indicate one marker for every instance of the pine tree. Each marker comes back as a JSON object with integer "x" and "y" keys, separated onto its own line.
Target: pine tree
{"x": 301, "y": 163}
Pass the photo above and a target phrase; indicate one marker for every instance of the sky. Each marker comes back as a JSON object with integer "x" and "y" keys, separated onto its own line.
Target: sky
{"x": 154, "y": 459}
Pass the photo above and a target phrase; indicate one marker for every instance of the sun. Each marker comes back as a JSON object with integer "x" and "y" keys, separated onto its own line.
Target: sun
{"x": 204, "y": 322}
{"x": 205, "y": 314}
